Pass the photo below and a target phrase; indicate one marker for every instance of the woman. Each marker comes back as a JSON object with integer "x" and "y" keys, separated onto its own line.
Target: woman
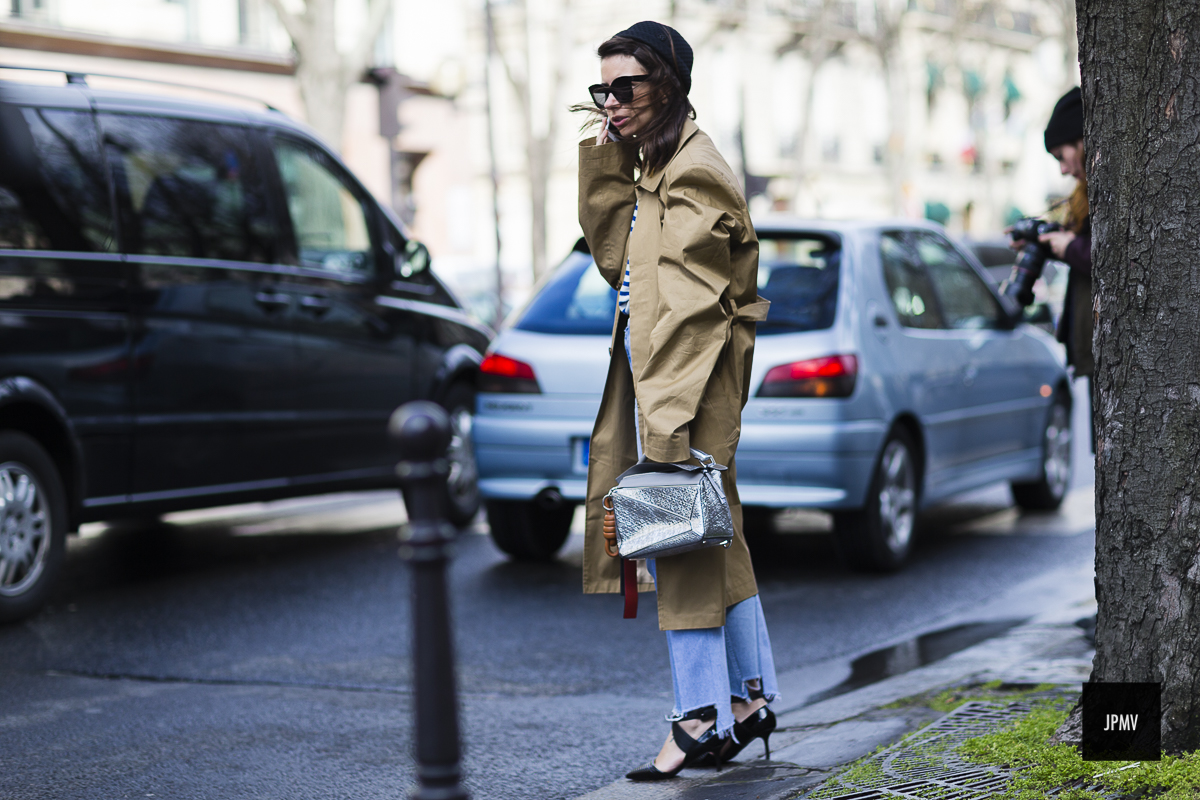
{"x": 1064, "y": 141}
{"x": 668, "y": 227}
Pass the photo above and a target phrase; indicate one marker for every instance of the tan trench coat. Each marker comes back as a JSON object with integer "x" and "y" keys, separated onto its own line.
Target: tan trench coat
{"x": 693, "y": 271}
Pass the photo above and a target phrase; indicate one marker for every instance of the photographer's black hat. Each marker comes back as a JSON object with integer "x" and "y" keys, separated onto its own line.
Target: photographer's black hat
{"x": 667, "y": 42}
{"x": 1066, "y": 123}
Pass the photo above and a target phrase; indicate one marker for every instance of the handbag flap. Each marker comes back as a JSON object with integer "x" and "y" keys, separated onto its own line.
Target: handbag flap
{"x": 655, "y": 468}
{"x": 655, "y": 478}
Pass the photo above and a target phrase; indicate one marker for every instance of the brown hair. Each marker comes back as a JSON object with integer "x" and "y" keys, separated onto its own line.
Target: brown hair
{"x": 1073, "y": 209}
{"x": 1077, "y": 206}
{"x": 660, "y": 138}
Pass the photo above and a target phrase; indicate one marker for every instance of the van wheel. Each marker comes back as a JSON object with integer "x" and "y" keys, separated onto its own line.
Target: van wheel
{"x": 33, "y": 525}
{"x": 1047, "y": 493}
{"x": 527, "y": 531}
{"x": 462, "y": 484}
{"x": 878, "y": 537}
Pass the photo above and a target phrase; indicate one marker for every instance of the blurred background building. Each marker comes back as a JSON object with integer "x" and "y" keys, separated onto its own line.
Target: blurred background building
{"x": 827, "y": 108}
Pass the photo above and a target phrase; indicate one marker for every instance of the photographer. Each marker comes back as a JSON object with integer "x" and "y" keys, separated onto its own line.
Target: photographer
{"x": 1073, "y": 245}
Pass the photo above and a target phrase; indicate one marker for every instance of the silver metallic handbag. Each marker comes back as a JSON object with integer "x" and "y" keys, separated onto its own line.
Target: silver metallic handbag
{"x": 665, "y": 509}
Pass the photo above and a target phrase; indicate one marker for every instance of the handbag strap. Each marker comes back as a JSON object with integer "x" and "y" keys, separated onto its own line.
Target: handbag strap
{"x": 629, "y": 586}
{"x": 706, "y": 461}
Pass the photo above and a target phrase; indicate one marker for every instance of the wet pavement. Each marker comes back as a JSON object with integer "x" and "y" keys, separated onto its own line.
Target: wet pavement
{"x": 262, "y": 651}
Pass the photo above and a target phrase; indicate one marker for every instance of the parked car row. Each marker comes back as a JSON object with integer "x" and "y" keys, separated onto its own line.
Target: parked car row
{"x": 888, "y": 376}
{"x": 199, "y": 305}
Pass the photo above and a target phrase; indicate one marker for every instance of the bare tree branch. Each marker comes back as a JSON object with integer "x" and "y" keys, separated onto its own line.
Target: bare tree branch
{"x": 358, "y": 59}
{"x": 519, "y": 83}
{"x": 291, "y": 23}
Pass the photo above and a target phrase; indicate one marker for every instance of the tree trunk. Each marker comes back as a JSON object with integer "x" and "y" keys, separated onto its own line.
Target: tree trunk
{"x": 1070, "y": 43}
{"x": 1142, "y": 126}
{"x": 896, "y": 154}
{"x": 539, "y": 149}
{"x": 322, "y": 73}
{"x": 539, "y": 152}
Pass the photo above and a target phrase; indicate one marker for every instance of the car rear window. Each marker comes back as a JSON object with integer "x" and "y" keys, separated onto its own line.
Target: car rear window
{"x": 575, "y": 300}
{"x": 798, "y": 273}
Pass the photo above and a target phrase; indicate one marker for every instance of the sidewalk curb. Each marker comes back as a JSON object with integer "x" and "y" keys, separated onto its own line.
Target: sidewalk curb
{"x": 814, "y": 741}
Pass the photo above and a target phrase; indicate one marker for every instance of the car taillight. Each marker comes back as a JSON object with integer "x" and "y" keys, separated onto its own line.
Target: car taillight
{"x": 830, "y": 376}
{"x": 500, "y": 373}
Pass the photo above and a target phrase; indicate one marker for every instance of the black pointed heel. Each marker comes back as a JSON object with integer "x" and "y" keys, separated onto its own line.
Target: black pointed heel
{"x": 704, "y": 748}
{"x": 759, "y": 725}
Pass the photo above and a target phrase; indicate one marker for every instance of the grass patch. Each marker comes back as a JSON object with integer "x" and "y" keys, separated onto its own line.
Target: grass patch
{"x": 1041, "y": 767}
{"x": 868, "y": 772}
{"x": 992, "y": 691}
{"x": 864, "y": 772}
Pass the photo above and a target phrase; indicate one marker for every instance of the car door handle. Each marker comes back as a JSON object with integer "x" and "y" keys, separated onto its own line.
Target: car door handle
{"x": 880, "y": 321}
{"x": 272, "y": 301}
{"x": 316, "y": 304}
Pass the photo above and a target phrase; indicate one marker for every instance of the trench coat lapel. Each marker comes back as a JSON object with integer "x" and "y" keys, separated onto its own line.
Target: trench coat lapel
{"x": 643, "y": 249}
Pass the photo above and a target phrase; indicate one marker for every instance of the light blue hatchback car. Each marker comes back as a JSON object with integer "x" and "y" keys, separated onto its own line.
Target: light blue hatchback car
{"x": 888, "y": 376}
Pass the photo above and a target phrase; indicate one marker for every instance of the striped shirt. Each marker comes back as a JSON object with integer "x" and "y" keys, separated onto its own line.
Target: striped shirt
{"x": 623, "y": 294}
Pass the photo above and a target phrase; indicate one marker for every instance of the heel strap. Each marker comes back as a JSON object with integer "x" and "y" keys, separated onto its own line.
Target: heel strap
{"x": 706, "y": 714}
{"x": 682, "y": 740}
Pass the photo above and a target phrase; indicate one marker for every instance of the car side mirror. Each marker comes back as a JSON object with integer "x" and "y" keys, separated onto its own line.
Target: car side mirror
{"x": 415, "y": 259}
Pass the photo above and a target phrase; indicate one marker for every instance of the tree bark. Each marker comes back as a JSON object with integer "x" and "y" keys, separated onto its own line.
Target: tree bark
{"x": 1140, "y": 59}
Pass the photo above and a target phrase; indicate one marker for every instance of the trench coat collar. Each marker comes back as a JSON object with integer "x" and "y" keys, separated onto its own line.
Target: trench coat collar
{"x": 650, "y": 182}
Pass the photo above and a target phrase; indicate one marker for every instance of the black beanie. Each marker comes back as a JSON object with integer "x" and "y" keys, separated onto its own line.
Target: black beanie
{"x": 1066, "y": 123}
{"x": 661, "y": 38}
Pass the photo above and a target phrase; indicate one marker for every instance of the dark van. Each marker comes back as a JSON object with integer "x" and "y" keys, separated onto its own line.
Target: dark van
{"x": 199, "y": 305}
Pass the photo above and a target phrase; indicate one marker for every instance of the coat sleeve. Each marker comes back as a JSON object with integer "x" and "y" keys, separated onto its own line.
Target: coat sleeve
{"x": 606, "y": 200}
{"x": 698, "y": 229}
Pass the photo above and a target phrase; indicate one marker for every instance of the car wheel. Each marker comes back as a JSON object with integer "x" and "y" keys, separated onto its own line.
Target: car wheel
{"x": 1047, "y": 493}
{"x": 33, "y": 525}
{"x": 527, "y": 531}
{"x": 462, "y": 484}
{"x": 878, "y": 537}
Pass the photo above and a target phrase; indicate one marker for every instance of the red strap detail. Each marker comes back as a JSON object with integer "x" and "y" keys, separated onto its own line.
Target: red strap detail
{"x": 629, "y": 579}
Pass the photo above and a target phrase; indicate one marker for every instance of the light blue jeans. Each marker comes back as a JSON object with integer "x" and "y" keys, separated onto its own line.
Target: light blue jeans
{"x": 711, "y": 665}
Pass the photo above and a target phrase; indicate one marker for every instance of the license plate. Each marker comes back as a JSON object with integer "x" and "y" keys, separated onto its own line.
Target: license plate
{"x": 579, "y": 454}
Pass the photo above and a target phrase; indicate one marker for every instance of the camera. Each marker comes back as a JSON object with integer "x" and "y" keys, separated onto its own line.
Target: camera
{"x": 1031, "y": 259}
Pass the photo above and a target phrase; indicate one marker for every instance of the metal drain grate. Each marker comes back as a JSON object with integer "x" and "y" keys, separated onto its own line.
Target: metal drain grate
{"x": 926, "y": 765}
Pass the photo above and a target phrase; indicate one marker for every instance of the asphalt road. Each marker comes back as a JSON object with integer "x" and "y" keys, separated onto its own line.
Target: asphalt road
{"x": 263, "y": 651}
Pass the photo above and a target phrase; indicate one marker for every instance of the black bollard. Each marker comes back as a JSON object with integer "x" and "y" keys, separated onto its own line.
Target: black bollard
{"x": 422, "y": 430}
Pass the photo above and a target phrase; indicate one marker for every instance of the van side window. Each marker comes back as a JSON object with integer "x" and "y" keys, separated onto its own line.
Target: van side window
{"x": 188, "y": 188}
{"x": 328, "y": 218}
{"x": 53, "y": 193}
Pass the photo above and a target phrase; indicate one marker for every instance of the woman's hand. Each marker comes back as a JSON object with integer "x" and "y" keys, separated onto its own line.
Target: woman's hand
{"x": 602, "y": 136}
{"x": 1058, "y": 241}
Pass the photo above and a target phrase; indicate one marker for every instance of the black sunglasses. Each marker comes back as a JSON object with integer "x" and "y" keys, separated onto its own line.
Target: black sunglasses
{"x": 621, "y": 88}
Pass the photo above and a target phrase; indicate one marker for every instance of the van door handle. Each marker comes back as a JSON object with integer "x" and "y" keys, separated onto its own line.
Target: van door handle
{"x": 270, "y": 300}
{"x": 316, "y": 304}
